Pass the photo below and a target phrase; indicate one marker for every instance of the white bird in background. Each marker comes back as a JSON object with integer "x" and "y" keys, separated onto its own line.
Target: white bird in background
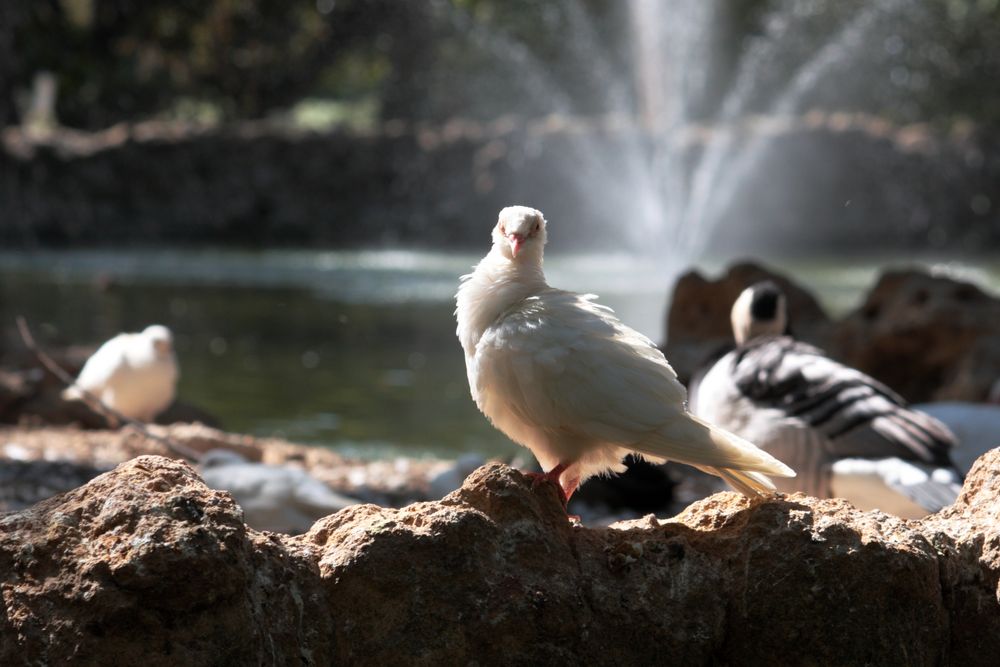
{"x": 562, "y": 376}
{"x": 845, "y": 433}
{"x": 276, "y": 498}
{"x": 133, "y": 373}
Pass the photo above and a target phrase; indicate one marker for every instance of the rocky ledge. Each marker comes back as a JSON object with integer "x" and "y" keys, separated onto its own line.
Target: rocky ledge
{"x": 28, "y": 454}
{"x": 146, "y": 565}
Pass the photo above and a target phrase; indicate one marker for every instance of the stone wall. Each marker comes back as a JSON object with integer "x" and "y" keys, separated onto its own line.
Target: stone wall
{"x": 254, "y": 185}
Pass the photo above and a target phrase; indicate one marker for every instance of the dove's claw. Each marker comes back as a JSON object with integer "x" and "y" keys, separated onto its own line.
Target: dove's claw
{"x": 539, "y": 478}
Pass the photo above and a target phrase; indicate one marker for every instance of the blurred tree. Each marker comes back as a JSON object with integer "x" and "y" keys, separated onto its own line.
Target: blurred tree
{"x": 11, "y": 15}
{"x": 118, "y": 59}
{"x": 540, "y": 57}
{"x": 431, "y": 59}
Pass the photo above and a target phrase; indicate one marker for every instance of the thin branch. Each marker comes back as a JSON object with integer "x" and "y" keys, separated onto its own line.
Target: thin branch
{"x": 95, "y": 403}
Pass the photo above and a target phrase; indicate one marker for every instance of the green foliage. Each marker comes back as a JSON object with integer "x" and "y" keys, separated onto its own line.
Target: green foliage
{"x": 430, "y": 59}
{"x": 118, "y": 59}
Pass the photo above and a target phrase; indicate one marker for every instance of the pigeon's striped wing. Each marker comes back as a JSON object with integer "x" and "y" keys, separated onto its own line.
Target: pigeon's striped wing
{"x": 857, "y": 415}
{"x": 104, "y": 365}
{"x": 566, "y": 365}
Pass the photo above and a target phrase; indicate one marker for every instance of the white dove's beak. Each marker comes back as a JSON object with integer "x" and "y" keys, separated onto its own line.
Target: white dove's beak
{"x": 516, "y": 241}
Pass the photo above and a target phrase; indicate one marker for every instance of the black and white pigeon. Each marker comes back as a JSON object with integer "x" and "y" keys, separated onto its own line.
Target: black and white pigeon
{"x": 846, "y": 434}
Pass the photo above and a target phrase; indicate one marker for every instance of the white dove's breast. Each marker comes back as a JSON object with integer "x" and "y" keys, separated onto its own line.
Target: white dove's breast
{"x": 506, "y": 358}
{"x": 141, "y": 391}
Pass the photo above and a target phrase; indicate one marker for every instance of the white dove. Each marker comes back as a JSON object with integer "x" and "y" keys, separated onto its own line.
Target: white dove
{"x": 133, "y": 373}
{"x": 564, "y": 377}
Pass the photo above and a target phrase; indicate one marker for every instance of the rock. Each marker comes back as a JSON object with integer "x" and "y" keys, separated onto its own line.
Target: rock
{"x": 24, "y": 483}
{"x": 392, "y": 482}
{"x": 698, "y": 320}
{"x": 146, "y": 565}
{"x": 29, "y": 396}
{"x": 927, "y": 337}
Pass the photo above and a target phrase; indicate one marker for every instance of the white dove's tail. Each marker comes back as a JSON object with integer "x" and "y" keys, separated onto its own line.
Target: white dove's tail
{"x": 741, "y": 464}
{"x": 748, "y": 483}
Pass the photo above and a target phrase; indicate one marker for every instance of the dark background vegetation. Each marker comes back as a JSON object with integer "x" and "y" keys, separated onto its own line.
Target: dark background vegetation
{"x": 224, "y": 63}
{"x": 119, "y": 60}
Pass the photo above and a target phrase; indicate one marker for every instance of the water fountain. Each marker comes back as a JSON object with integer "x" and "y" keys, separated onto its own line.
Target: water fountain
{"x": 682, "y": 155}
{"x": 701, "y": 197}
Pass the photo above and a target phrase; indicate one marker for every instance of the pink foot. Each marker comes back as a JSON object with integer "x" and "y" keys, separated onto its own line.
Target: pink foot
{"x": 552, "y": 476}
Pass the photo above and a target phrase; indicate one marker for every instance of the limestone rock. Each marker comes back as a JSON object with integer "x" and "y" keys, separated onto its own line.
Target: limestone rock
{"x": 698, "y": 320}
{"x": 145, "y": 565}
{"x": 386, "y": 482}
{"x": 928, "y": 337}
{"x": 24, "y": 483}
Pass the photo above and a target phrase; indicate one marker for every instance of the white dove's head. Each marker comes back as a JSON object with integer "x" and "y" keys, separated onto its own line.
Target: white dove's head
{"x": 759, "y": 311}
{"x": 520, "y": 233}
{"x": 161, "y": 339}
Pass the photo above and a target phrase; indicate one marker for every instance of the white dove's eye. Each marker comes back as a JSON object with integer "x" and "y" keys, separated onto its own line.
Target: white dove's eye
{"x": 538, "y": 226}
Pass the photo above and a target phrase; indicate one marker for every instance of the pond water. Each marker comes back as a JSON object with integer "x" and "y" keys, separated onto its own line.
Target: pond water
{"x": 351, "y": 350}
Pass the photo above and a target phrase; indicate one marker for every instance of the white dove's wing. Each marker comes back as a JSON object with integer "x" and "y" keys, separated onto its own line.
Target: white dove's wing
{"x": 562, "y": 362}
{"x": 570, "y": 368}
{"x": 104, "y": 365}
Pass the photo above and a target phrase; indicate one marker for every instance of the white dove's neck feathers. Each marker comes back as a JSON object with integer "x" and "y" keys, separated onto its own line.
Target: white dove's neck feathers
{"x": 496, "y": 284}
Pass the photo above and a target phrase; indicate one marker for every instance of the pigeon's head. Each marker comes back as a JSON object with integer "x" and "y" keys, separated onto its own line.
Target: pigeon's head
{"x": 520, "y": 233}
{"x": 161, "y": 339}
{"x": 759, "y": 311}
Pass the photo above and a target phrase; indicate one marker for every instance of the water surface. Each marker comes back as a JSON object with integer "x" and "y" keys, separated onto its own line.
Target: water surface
{"x": 352, "y": 350}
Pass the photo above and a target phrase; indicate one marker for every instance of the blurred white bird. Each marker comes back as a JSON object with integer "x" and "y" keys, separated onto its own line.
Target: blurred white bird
{"x": 452, "y": 477}
{"x": 275, "y": 498}
{"x": 562, "y": 376}
{"x": 846, "y": 434}
{"x": 133, "y": 373}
